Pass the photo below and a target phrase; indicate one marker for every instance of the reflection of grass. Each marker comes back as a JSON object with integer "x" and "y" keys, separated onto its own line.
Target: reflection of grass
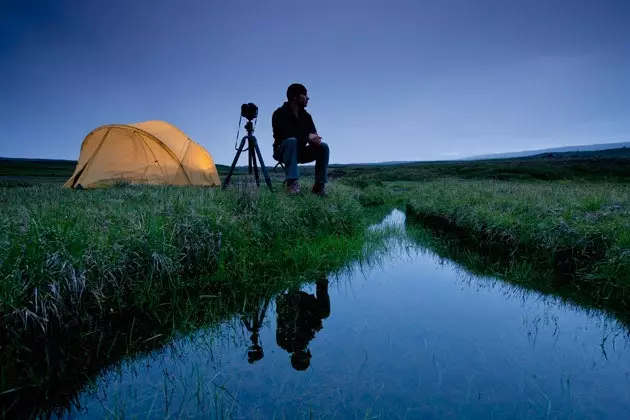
{"x": 184, "y": 385}
{"x": 88, "y": 276}
{"x": 177, "y": 395}
{"x": 574, "y": 232}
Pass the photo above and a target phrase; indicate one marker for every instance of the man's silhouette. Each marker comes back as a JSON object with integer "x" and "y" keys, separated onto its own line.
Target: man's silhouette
{"x": 300, "y": 316}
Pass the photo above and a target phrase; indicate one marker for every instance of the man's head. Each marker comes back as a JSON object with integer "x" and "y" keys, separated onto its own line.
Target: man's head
{"x": 301, "y": 359}
{"x": 255, "y": 353}
{"x": 297, "y": 95}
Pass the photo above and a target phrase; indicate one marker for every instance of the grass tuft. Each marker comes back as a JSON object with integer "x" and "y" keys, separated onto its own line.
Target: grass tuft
{"x": 578, "y": 230}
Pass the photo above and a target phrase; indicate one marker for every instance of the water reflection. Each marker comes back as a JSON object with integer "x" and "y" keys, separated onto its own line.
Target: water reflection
{"x": 299, "y": 317}
{"x": 253, "y": 323}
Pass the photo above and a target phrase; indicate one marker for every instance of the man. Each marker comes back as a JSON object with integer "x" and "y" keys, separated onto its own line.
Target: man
{"x": 296, "y": 141}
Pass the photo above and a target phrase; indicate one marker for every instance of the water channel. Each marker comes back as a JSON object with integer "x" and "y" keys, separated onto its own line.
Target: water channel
{"x": 414, "y": 336}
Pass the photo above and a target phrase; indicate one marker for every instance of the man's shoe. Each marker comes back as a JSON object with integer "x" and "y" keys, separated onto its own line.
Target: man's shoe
{"x": 319, "y": 189}
{"x": 293, "y": 188}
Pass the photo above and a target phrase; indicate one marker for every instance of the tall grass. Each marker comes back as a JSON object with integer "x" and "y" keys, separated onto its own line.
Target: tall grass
{"x": 87, "y": 277}
{"x": 580, "y": 230}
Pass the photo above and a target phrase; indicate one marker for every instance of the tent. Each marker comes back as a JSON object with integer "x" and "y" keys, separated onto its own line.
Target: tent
{"x": 150, "y": 152}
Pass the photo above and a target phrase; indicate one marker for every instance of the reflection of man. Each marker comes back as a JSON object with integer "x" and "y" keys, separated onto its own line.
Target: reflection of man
{"x": 255, "y": 351}
{"x": 300, "y": 316}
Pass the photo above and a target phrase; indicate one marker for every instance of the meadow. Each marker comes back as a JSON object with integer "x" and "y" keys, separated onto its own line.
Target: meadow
{"x": 91, "y": 274}
{"x": 90, "y": 277}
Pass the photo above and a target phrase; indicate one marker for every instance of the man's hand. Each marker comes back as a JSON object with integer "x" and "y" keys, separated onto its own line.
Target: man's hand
{"x": 314, "y": 139}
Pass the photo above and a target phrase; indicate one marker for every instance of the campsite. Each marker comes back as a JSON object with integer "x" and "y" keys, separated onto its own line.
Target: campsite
{"x": 422, "y": 210}
{"x": 96, "y": 277}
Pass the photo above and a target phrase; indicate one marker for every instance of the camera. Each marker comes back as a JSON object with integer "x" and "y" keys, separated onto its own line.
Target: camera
{"x": 249, "y": 111}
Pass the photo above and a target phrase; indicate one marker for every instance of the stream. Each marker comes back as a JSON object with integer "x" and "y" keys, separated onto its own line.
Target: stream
{"x": 413, "y": 336}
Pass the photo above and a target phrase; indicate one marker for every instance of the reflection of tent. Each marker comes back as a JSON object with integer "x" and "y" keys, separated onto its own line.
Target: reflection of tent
{"x": 152, "y": 152}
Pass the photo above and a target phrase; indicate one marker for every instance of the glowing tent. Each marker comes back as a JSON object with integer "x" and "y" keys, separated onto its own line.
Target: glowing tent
{"x": 151, "y": 152}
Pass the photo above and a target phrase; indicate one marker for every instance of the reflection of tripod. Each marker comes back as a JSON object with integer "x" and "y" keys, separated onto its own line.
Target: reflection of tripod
{"x": 255, "y": 351}
{"x": 252, "y": 147}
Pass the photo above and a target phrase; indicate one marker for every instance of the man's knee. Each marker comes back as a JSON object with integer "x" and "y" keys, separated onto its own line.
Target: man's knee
{"x": 324, "y": 148}
{"x": 290, "y": 143}
{"x": 285, "y": 149}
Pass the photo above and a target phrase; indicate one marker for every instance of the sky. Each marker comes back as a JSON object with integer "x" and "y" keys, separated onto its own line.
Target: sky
{"x": 388, "y": 80}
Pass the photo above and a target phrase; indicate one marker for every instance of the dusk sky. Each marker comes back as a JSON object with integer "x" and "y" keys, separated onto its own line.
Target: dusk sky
{"x": 388, "y": 80}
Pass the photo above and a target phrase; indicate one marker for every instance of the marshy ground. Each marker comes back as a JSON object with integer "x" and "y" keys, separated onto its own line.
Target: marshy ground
{"x": 89, "y": 279}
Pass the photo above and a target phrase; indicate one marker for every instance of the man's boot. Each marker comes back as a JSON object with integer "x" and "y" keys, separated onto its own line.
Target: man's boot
{"x": 319, "y": 189}
{"x": 293, "y": 187}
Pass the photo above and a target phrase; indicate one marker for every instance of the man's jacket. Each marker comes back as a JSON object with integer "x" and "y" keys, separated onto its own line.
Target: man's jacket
{"x": 285, "y": 124}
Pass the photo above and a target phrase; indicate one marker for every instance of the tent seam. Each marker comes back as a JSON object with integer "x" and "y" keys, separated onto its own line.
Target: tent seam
{"x": 135, "y": 133}
{"x": 89, "y": 162}
{"x": 184, "y": 156}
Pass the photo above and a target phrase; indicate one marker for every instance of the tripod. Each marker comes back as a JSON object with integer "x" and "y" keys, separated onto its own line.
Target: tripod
{"x": 254, "y": 150}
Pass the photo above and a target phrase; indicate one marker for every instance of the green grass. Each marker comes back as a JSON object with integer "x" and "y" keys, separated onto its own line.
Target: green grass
{"x": 579, "y": 230}
{"x": 103, "y": 271}
{"x": 596, "y": 167}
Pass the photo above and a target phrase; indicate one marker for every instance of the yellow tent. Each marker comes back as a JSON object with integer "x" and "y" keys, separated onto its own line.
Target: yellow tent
{"x": 151, "y": 152}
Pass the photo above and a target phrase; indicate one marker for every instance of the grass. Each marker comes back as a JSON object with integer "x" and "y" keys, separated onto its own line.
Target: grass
{"x": 578, "y": 230}
{"x": 64, "y": 252}
{"x": 88, "y": 278}
{"x": 592, "y": 168}
{"x": 91, "y": 276}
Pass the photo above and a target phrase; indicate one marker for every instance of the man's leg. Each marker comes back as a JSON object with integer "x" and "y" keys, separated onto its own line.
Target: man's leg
{"x": 287, "y": 153}
{"x": 320, "y": 154}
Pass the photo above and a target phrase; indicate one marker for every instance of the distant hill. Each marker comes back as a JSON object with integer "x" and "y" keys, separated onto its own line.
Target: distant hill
{"x": 620, "y": 153}
{"x": 40, "y": 167}
{"x": 586, "y": 148}
{"x": 384, "y": 163}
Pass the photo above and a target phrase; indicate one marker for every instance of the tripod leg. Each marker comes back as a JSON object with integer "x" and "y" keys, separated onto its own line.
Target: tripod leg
{"x": 238, "y": 153}
{"x": 262, "y": 165}
{"x": 255, "y": 168}
{"x": 251, "y": 156}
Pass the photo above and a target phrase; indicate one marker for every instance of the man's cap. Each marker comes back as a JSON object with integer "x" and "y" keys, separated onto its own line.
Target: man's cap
{"x": 296, "y": 89}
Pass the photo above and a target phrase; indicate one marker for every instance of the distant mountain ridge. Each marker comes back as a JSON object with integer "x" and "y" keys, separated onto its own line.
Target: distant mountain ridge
{"x": 524, "y": 153}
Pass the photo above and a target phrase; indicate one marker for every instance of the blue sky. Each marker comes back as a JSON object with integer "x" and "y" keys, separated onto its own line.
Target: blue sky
{"x": 388, "y": 80}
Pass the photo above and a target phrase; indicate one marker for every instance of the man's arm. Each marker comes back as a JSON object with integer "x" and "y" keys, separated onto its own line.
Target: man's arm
{"x": 313, "y": 137}
{"x": 279, "y": 125}
{"x": 312, "y": 123}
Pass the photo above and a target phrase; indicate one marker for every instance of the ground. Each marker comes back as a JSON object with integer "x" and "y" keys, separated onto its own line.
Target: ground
{"x": 100, "y": 267}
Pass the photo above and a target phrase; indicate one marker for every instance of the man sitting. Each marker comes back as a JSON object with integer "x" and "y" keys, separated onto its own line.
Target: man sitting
{"x": 296, "y": 141}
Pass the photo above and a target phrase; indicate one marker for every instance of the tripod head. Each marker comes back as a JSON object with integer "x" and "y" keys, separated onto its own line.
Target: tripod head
{"x": 249, "y": 111}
